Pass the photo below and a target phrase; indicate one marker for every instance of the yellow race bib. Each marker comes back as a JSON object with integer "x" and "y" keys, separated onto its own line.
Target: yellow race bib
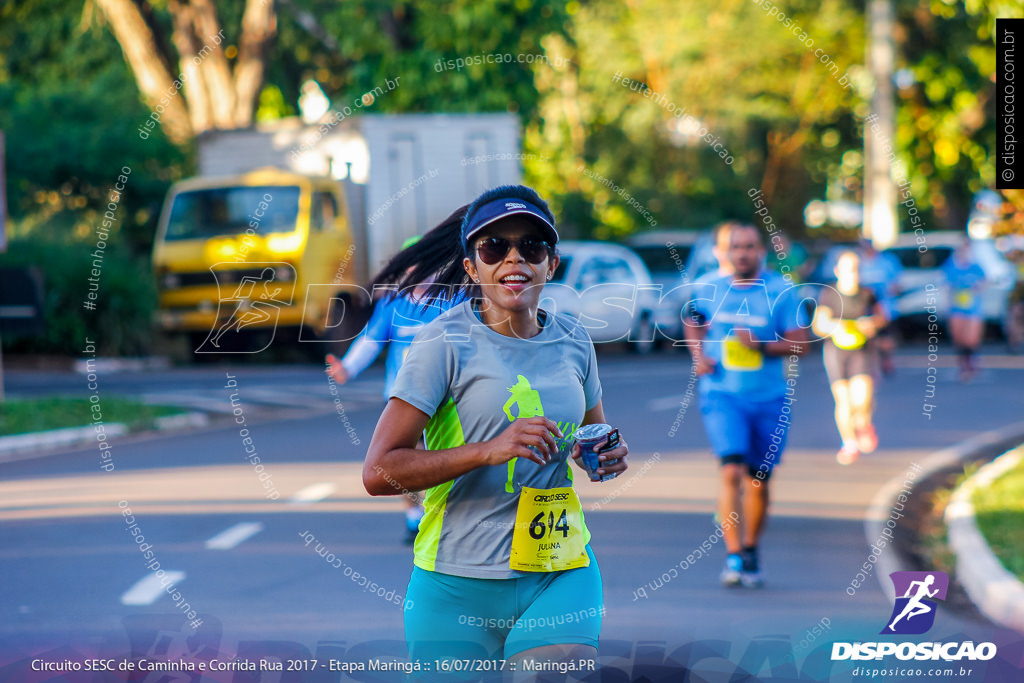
{"x": 548, "y": 535}
{"x": 847, "y": 336}
{"x": 737, "y": 356}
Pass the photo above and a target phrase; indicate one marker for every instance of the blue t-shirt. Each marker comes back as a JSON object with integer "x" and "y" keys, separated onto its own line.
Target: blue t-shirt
{"x": 965, "y": 282}
{"x": 769, "y": 307}
{"x": 395, "y": 321}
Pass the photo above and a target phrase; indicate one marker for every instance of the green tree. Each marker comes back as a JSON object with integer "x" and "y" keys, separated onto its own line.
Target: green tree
{"x": 747, "y": 79}
{"x": 946, "y": 125}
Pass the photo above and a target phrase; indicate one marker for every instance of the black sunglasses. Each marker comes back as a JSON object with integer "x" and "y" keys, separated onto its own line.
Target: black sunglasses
{"x": 494, "y": 249}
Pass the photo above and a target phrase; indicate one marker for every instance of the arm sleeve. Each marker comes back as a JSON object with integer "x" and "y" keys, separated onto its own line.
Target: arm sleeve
{"x": 591, "y": 381}
{"x": 360, "y": 355}
{"x": 368, "y": 345}
{"x": 697, "y": 308}
{"x": 378, "y": 327}
{"x": 425, "y": 378}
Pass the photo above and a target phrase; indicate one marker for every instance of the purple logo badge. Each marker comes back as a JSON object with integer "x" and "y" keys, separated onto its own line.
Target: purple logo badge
{"x": 916, "y": 593}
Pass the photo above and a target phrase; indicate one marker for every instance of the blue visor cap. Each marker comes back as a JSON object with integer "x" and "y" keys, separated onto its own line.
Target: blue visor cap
{"x": 492, "y": 212}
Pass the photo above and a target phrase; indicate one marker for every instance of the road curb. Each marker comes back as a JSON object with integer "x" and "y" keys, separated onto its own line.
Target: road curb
{"x": 885, "y": 499}
{"x": 996, "y": 592}
{"x": 16, "y": 444}
{"x": 19, "y": 444}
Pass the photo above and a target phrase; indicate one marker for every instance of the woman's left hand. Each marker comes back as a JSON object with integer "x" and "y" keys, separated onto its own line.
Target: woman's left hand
{"x": 613, "y": 462}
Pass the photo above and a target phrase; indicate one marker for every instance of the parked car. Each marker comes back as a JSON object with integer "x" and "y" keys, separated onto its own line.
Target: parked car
{"x": 609, "y": 289}
{"x": 674, "y": 258}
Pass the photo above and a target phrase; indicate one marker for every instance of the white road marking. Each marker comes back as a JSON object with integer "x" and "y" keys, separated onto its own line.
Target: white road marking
{"x": 151, "y": 587}
{"x": 313, "y": 493}
{"x": 229, "y": 538}
{"x": 669, "y": 402}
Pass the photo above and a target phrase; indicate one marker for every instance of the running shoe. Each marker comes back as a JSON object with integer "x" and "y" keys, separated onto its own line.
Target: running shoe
{"x": 867, "y": 440}
{"x": 750, "y": 574}
{"x": 847, "y": 455}
{"x": 732, "y": 573}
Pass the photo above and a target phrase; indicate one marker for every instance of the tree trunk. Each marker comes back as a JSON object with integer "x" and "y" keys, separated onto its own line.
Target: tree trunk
{"x": 213, "y": 63}
{"x": 200, "y": 112}
{"x": 259, "y": 26}
{"x": 211, "y": 96}
{"x": 143, "y": 56}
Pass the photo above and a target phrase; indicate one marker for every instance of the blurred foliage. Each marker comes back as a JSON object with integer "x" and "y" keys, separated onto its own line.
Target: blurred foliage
{"x": 1012, "y": 219}
{"x": 70, "y": 108}
{"x": 368, "y": 42}
{"x": 769, "y": 105}
{"x": 121, "y": 323}
{"x": 945, "y": 105}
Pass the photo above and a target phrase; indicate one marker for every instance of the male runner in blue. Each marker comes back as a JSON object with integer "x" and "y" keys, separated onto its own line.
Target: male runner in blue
{"x": 966, "y": 280}
{"x": 743, "y": 325}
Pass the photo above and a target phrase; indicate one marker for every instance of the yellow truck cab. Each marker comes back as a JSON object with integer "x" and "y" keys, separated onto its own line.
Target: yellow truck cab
{"x": 239, "y": 255}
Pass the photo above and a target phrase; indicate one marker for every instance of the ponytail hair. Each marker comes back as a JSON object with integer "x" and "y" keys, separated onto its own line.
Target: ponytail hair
{"x": 436, "y": 259}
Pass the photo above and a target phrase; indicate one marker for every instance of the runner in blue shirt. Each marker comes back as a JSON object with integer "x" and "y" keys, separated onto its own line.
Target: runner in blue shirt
{"x": 397, "y": 317}
{"x": 966, "y": 281}
{"x": 747, "y": 328}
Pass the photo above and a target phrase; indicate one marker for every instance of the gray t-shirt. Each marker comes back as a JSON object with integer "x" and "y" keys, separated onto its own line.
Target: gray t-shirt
{"x": 473, "y": 382}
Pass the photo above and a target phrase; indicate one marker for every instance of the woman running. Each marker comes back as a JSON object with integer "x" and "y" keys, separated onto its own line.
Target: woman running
{"x": 397, "y": 316}
{"x": 966, "y": 281}
{"x": 849, "y": 317}
{"x": 503, "y": 566}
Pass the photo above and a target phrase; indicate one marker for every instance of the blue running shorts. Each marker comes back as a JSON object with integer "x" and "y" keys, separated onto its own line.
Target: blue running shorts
{"x": 753, "y": 430}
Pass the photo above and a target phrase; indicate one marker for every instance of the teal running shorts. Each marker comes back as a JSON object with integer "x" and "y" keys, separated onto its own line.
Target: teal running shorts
{"x": 455, "y": 617}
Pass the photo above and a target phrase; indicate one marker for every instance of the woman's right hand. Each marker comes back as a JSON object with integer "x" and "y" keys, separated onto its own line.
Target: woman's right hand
{"x": 336, "y": 370}
{"x": 518, "y": 437}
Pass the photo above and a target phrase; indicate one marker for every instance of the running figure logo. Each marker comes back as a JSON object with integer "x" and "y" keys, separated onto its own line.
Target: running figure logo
{"x": 913, "y": 612}
{"x": 525, "y": 397}
{"x": 256, "y": 303}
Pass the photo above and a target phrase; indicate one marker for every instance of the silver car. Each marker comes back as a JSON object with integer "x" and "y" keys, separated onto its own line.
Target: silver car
{"x": 608, "y": 288}
{"x": 675, "y": 259}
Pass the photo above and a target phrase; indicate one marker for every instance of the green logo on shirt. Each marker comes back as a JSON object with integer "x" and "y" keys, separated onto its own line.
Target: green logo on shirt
{"x": 524, "y": 396}
{"x": 528, "y": 400}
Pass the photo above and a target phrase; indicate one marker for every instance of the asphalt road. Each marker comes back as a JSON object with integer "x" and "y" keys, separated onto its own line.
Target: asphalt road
{"x": 74, "y": 580}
